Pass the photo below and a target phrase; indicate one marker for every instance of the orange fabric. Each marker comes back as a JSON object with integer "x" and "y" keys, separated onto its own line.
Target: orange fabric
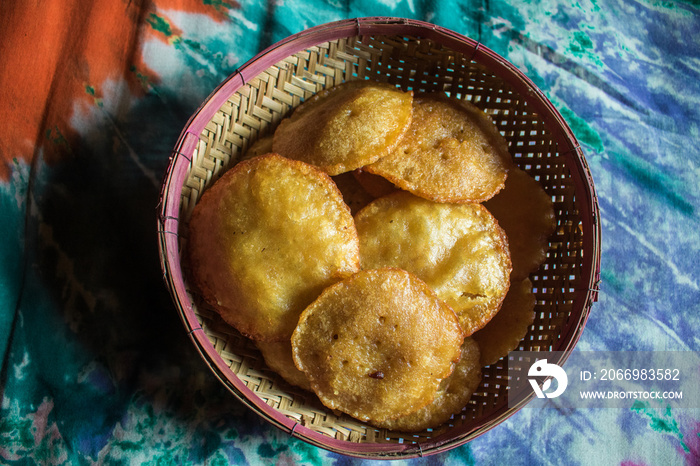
{"x": 56, "y": 55}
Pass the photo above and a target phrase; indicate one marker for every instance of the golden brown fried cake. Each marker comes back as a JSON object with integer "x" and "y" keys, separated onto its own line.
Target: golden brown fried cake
{"x": 252, "y": 234}
{"x": 355, "y": 196}
{"x": 452, "y": 152}
{"x": 452, "y": 395}
{"x": 259, "y": 147}
{"x": 278, "y": 357}
{"x": 505, "y": 331}
{"x": 526, "y": 213}
{"x": 376, "y": 185}
{"x": 377, "y": 345}
{"x": 457, "y": 249}
{"x": 345, "y": 127}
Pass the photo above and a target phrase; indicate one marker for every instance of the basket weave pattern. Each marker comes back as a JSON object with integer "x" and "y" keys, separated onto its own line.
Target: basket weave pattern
{"x": 421, "y": 65}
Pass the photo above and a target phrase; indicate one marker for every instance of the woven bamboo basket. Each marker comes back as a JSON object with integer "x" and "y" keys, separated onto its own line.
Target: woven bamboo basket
{"x": 421, "y": 57}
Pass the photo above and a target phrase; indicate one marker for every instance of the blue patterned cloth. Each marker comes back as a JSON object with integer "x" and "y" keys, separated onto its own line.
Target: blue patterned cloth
{"x": 96, "y": 366}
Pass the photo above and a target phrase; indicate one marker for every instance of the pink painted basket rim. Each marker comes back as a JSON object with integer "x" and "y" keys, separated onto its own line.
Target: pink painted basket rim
{"x": 169, "y": 205}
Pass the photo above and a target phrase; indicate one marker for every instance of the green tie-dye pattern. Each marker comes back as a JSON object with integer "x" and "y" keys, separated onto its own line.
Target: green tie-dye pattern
{"x": 55, "y": 136}
{"x": 160, "y": 24}
{"x": 266, "y": 450}
{"x": 661, "y": 420}
{"x": 144, "y": 80}
{"x": 198, "y": 55}
{"x": 307, "y": 454}
{"x": 583, "y": 131}
{"x": 218, "y": 4}
{"x": 16, "y": 431}
{"x": 657, "y": 183}
{"x": 668, "y": 5}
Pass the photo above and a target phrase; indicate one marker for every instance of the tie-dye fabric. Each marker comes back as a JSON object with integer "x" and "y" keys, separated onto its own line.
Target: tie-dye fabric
{"x": 96, "y": 366}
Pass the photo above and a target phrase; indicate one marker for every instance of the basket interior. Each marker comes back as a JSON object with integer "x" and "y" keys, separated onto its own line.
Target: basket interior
{"x": 421, "y": 65}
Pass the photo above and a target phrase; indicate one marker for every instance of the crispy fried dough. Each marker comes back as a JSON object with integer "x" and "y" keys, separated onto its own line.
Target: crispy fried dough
{"x": 452, "y": 152}
{"x": 354, "y": 194}
{"x": 504, "y": 332}
{"x": 345, "y": 127}
{"x": 526, "y": 213}
{"x": 252, "y": 234}
{"x": 457, "y": 249}
{"x": 261, "y": 146}
{"x": 278, "y": 357}
{"x": 376, "y": 185}
{"x": 452, "y": 395}
{"x": 377, "y": 345}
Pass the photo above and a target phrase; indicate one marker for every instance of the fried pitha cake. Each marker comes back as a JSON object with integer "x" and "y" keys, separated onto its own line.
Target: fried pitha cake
{"x": 376, "y": 185}
{"x": 377, "y": 345}
{"x": 452, "y": 395}
{"x": 457, "y": 249}
{"x": 252, "y": 234}
{"x": 507, "y": 328}
{"x": 261, "y": 146}
{"x": 346, "y": 126}
{"x": 278, "y": 357}
{"x": 354, "y": 194}
{"x": 526, "y": 213}
{"x": 452, "y": 152}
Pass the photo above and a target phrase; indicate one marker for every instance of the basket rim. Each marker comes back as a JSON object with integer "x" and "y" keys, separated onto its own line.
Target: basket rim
{"x": 170, "y": 198}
